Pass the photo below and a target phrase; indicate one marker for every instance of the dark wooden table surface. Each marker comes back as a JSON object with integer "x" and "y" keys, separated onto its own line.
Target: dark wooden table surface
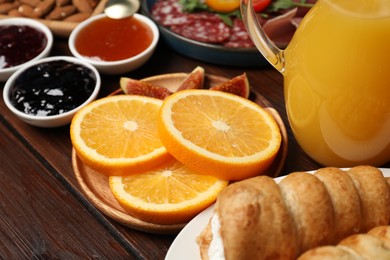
{"x": 43, "y": 213}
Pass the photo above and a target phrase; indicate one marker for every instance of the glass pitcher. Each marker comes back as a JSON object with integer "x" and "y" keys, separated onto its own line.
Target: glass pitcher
{"x": 336, "y": 73}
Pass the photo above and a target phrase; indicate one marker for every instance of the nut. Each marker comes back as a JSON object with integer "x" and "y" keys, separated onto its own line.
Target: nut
{"x": 44, "y": 8}
{"x": 61, "y": 12}
{"x": 78, "y": 17}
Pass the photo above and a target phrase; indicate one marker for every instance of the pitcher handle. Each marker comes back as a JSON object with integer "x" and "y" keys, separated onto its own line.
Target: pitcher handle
{"x": 268, "y": 49}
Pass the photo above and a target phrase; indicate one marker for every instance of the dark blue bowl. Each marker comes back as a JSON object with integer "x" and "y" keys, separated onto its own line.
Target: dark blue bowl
{"x": 217, "y": 54}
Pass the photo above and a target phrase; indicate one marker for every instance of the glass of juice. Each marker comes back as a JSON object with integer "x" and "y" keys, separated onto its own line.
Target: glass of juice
{"x": 336, "y": 80}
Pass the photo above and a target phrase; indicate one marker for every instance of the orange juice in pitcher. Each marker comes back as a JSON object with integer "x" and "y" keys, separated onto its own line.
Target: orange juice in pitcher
{"x": 336, "y": 80}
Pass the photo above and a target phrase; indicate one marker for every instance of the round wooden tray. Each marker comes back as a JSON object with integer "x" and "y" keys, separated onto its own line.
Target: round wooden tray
{"x": 95, "y": 185}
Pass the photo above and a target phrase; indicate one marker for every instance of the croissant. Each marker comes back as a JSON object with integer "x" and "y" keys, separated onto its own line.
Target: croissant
{"x": 260, "y": 219}
{"x": 373, "y": 245}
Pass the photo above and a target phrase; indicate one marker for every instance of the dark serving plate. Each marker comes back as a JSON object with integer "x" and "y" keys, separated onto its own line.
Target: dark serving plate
{"x": 212, "y": 53}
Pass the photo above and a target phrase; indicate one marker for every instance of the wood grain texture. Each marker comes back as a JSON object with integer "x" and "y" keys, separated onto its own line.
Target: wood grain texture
{"x": 40, "y": 217}
{"x": 43, "y": 211}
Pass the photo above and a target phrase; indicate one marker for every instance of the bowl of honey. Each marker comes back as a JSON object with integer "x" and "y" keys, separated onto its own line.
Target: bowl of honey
{"x": 114, "y": 46}
{"x": 22, "y": 40}
{"x": 48, "y": 92}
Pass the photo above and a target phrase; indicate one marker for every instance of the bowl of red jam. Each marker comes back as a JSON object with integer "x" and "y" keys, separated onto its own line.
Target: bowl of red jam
{"x": 114, "y": 46}
{"x": 22, "y": 40}
{"x": 48, "y": 92}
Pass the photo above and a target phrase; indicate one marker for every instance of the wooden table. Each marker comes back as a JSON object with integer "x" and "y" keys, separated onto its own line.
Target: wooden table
{"x": 43, "y": 213}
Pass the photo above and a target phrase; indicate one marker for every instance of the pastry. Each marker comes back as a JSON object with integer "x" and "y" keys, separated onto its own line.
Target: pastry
{"x": 373, "y": 245}
{"x": 258, "y": 218}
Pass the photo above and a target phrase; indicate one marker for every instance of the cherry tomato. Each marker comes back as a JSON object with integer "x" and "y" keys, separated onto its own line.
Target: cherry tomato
{"x": 223, "y": 6}
{"x": 260, "y": 5}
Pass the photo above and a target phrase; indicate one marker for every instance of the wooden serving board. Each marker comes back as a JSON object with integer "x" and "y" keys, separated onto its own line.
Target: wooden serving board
{"x": 95, "y": 185}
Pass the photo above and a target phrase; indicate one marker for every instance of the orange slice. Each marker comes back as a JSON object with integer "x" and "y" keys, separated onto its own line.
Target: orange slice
{"x": 218, "y": 134}
{"x": 118, "y": 135}
{"x": 169, "y": 194}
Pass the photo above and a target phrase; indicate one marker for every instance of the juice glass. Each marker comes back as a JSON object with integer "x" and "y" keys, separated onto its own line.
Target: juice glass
{"x": 336, "y": 80}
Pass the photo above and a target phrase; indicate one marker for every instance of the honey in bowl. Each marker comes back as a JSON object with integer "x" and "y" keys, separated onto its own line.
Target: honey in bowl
{"x": 114, "y": 39}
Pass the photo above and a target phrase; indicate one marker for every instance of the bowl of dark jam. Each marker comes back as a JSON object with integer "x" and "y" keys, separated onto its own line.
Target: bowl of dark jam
{"x": 22, "y": 40}
{"x": 114, "y": 46}
{"x": 48, "y": 92}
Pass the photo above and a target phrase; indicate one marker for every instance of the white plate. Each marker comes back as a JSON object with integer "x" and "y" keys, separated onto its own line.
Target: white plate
{"x": 184, "y": 246}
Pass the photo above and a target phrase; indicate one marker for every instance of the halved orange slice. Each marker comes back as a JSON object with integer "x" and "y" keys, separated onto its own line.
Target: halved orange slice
{"x": 117, "y": 135}
{"x": 168, "y": 194}
{"x": 218, "y": 134}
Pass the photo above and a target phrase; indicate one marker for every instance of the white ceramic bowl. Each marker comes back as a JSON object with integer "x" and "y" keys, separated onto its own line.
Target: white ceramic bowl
{"x": 49, "y": 120}
{"x": 5, "y": 73}
{"x": 120, "y": 66}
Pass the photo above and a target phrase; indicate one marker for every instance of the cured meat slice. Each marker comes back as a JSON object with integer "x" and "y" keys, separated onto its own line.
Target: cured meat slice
{"x": 168, "y": 13}
{"x": 281, "y": 29}
{"x": 204, "y": 16}
{"x": 239, "y": 37}
{"x": 204, "y": 28}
